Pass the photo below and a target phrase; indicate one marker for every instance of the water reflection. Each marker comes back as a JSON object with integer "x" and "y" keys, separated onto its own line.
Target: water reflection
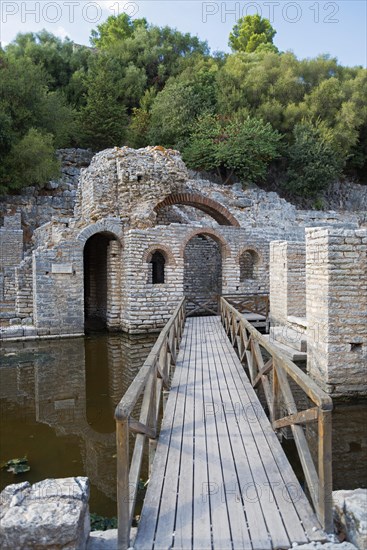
{"x": 57, "y": 401}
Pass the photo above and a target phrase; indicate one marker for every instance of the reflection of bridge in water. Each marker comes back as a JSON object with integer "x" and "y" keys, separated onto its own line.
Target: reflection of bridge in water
{"x": 57, "y": 401}
{"x": 220, "y": 478}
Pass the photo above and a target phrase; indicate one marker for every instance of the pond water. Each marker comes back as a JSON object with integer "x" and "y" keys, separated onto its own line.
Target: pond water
{"x": 57, "y": 402}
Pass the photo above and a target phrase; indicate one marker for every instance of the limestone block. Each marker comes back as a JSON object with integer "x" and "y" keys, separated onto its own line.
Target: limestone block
{"x": 50, "y": 514}
{"x": 290, "y": 337}
{"x": 350, "y": 514}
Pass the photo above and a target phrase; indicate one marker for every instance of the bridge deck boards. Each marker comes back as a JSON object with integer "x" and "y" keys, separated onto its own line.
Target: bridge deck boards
{"x": 220, "y": 478}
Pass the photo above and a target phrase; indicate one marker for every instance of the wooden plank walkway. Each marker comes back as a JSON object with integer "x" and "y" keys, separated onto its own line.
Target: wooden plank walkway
{"x": 220, "y": 478}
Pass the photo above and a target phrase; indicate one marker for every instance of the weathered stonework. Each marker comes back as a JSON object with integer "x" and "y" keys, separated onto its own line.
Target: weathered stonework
{"x": 350, "y": 515}
{"x": 336, "y": 282}
{"x": 96, "y": 265}
{"x": 51, "y": 514}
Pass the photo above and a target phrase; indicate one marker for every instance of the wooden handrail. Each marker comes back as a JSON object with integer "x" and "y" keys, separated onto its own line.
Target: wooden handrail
{"x": 314, "y": 392}
{"x": 249, "y": 302}
{"x": 150, "y": 381}
{"x": 273, "y": 375}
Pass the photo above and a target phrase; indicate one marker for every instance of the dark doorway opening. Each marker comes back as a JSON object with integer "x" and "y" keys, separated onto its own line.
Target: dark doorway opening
{"x": 95, "y": 281}
{"x": 158, "y": 265}
{"x": 202, "y": 275}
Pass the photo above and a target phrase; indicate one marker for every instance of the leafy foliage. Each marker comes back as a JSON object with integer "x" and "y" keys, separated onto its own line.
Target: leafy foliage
{"x": 103, "y": 120}
{"x": 17, "y": 465}
{"x": 233, "y": 146}
{"x": 101, "y": 523}
{"x": 251, "y": 33}
{"x": 141, "y": 84}
{"x": 182, "y": 101}
{"x": 314, "y": 159}
{"x": 31, "y": 159}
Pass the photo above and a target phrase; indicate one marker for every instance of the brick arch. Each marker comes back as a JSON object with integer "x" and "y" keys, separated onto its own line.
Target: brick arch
{"x": 250, "y": 249}
{"x": 209, "y": 232}
{"x": 106, "y": 227}
{"x": 218, "y": 212}
{"x": 158, "y": 247}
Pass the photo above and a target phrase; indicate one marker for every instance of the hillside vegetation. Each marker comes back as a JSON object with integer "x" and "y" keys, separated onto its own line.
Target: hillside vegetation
{"x": 244, "y": 115}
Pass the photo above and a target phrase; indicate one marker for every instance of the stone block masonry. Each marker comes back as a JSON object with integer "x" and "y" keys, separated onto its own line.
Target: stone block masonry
{"x": 336, "y": 304}
{"x": 287, "y": 281}
{"x": 138, "y": 202}
{"x": 11, "y": 242}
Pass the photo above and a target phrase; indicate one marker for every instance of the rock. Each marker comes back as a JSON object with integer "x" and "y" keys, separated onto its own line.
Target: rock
{"x": 103, "y": 540}
{"x": 242, "y": 203}
{"x": 350, "y": 515}
{"x": 107, "y": 540}
{"x": 51, "y": 185}
{"x": 50, "y": 514}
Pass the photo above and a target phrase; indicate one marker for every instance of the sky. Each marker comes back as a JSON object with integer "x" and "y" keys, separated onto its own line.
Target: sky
{"x": 308, "y": 28}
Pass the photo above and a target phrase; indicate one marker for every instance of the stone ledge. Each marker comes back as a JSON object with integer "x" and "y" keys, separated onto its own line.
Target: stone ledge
{"x": 52, "y": 514}
{"x": 289, "y": 352}
{"x": 350, "y": 515}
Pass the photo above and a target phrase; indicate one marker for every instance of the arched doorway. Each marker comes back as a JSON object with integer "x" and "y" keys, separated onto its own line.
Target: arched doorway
{"x": 102, "y": 258}
{"x": 202, "y": 274}
{"x": 250, "y": 270}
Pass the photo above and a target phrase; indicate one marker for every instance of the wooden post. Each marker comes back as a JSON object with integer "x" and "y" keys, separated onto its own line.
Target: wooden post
{"x": 152, "y": 449}
{"x": 123, "y": 492}
{"x": 165, "y": 399}
{"x": 325, "y": 511}
{"x": 274, "y": 413}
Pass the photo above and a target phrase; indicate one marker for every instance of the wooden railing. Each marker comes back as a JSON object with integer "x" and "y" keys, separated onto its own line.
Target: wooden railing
{"x": 270, "y": 368}
{"x": 196, "y": 306}
{"x": 250, "y": 303}
{"x": 151, "y": 380}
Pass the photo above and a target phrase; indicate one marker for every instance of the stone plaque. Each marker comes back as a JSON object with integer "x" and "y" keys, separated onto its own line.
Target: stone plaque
{"x": 66, "y": 269}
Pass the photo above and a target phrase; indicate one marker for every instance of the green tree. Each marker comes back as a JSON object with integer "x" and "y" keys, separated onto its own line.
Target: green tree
{"x": 140, "y": 121}
{"x": 202, "y": 150}
{"x": 160, "y": 52}
{"x": 251, "y": 33}
{"x": 314, "y": 159}
{"x": 59, "y": 58}
{"x": 31, "y": 161}
{"x": 181, "y": 102}
{"x": 103, "y": 119}
{"x": 241, "y": 147}
{"x": 115, "y": 29}
{"x": 25, "y": 96}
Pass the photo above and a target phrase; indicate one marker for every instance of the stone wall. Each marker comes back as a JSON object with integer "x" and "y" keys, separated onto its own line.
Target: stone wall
{"x": 11, "y": 254}
{"x": 336, "y": 279}
{"x": 146, "y": 200}
{"x": 11, "y": 241}
{"x": 287, "y": 281}
{"x": 58, "y": 290}
{"x": 24, "y": 291}
{"x": 37, "y": 206}
{"x": 202, "y": 272}
{"x": 114, "y": 290}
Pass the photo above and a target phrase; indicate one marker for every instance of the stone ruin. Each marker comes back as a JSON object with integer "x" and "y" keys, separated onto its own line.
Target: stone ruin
{"x": 140, "y": 231}
{"x": 144, "y": 232}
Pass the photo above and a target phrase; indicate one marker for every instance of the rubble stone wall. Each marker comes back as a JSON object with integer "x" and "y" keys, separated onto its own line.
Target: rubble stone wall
{"x": 37, "y": 206}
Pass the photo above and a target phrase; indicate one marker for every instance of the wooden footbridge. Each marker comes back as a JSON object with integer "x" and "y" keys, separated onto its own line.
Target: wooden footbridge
{"x": 219, "y": 478}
